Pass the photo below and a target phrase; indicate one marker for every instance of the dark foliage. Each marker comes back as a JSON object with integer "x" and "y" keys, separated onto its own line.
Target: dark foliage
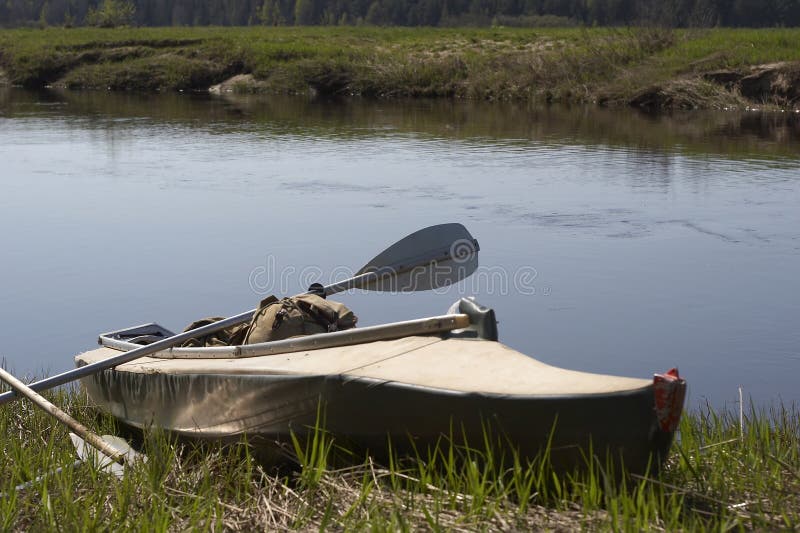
{"x": 673, "y": 13}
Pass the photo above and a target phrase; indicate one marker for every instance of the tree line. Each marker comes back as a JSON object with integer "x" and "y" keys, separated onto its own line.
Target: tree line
{"x": 673, "y": 13}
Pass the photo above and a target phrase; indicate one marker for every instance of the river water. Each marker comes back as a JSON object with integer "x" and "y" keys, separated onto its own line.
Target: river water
{"x": 611, "y": 241}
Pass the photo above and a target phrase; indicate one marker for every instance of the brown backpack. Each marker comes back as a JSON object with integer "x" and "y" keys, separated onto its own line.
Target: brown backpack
{"x": 306, "y": 314}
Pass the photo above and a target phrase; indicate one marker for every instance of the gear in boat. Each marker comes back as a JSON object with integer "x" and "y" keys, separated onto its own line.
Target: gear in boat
{"x": 301, "y": 321}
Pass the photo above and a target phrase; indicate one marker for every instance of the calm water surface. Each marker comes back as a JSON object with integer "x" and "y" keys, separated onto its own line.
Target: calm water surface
{"x": 611, "y": 241}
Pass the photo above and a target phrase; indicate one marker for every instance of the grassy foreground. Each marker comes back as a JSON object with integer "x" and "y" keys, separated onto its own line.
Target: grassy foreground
{"x": 717, "y": 478}
{"x": 646, "y": 67}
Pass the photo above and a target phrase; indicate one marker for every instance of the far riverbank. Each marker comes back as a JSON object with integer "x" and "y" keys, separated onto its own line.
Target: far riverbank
{"x": 642, "y": 67}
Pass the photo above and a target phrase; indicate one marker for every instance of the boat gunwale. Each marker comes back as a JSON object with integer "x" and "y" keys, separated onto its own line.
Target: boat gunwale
{"x": 391, "y": 330}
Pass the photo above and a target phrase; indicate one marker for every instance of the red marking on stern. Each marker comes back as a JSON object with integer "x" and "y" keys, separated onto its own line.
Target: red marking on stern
{"x": 670, "y": 391}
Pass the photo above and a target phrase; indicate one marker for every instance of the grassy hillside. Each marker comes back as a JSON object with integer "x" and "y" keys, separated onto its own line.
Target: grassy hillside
{"x": 639, "y": 66}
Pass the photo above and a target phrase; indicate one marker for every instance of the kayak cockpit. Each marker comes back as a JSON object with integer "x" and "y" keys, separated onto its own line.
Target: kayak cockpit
{"x": 465, "y": 319}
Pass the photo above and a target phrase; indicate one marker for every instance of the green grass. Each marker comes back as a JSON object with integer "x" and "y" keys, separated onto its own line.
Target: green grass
{"x": 721, "y": 475}
{"x": 610, "y": 65}
{"x": 732, "y": 48}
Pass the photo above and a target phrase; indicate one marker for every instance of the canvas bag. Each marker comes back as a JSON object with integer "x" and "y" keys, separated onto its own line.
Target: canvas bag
{"x": 306, "y": 314}
{"x": 230, "y": 336}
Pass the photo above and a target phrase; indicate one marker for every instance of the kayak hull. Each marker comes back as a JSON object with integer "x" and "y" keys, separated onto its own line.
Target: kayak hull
{"x": 376, "y": 397}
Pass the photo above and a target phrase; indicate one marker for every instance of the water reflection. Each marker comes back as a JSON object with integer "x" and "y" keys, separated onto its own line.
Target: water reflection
{"x": 739, "y": 135}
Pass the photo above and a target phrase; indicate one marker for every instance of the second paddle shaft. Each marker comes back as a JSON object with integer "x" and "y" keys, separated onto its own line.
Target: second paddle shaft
{"x": 53, "y": 410}
{"x": 124, "y": 357}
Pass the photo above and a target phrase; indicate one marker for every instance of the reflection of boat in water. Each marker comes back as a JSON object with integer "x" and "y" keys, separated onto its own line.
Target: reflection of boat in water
{"x": 420, "y": 379}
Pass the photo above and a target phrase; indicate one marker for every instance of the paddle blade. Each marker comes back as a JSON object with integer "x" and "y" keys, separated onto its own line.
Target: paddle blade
{"x": 432, "y": 257}
{"x": 90, "y": 455}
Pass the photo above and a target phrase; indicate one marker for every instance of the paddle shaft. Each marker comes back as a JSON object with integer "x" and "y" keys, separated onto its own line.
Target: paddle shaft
{"x": 88, "y": 370}
{"x": 79, "y": 429}
{"x": 125, "y": 357}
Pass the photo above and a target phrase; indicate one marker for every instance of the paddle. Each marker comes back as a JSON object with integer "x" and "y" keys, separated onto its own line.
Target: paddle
{"x": 432, "y": 257}
{"x": 81, "y": 432}
{"x": 89, "y": 454}
{"x": 114, "y": 451}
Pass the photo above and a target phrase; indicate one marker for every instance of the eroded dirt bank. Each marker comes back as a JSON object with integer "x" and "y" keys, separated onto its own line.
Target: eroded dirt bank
{"x": 773, "y": 84}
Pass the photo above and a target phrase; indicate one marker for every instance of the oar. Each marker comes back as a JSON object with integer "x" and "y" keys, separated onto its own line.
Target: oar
{"x": 432, "y": 257}
{"x": 114, "y": 451}
{"x": 89, "y": 454}
{"x": 79, "y": 429}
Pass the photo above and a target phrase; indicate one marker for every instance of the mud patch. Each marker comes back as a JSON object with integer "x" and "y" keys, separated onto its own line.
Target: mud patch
{"x": 773, "y": 84}
{"x": 777, "y": 83}
{"x": 760, "y": 82}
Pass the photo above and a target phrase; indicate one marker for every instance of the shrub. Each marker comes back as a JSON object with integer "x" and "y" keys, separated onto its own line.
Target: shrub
{"x": 112, "y": 14}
